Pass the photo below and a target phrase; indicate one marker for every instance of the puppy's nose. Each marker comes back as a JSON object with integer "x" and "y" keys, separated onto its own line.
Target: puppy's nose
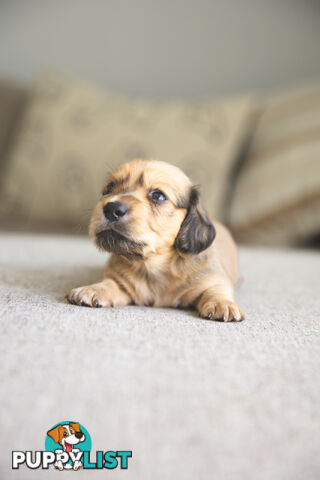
{"x": 78, "y": 434}
{"x": 113, "y": 211}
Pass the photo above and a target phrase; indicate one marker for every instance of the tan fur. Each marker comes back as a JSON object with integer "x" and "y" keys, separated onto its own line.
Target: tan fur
{"x": 158, "y": 274}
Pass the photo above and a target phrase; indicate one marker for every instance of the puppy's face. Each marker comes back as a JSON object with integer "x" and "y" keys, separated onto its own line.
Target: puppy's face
{"x": 149, "y": 206}
{"x": 67, "y": 435}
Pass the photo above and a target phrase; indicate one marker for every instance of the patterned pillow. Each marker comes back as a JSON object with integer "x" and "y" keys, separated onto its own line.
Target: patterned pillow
{"x": 277, "y": 195}
{"x": 72, "y": 134}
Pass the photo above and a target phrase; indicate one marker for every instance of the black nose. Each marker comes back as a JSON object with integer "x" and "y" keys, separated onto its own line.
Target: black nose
{"x": 78, "y": 434}
{"x": 114, "y": 211}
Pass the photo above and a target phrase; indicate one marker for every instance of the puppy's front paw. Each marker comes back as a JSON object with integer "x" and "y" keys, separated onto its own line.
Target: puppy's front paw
{"x": 102, "y": 294}
{"x": 77, "y": 465}
{"x": 222, "y": 310}
{"x": 94, "y": 295}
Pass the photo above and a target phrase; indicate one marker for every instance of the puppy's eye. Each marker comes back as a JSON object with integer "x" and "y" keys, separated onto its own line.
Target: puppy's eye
{"x": 65, "y": 433}
{"x": 108, "y": 188}
{"x": 157, "y": 196}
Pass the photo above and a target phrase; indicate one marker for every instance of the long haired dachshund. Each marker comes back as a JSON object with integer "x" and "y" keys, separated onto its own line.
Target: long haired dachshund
{"x": 165, "y": 251}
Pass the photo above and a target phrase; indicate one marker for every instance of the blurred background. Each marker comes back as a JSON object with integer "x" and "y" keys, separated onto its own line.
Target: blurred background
{"x": 164, "y": 49}
{"x": 227, "y": 90}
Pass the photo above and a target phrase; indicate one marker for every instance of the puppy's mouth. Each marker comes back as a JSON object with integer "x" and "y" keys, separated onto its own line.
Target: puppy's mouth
{"x": 112, "y": 241}
{"x": 68, "y": 446}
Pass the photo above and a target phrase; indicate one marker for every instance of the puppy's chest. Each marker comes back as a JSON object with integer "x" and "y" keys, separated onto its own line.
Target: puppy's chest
{"x": 159, "y": 291}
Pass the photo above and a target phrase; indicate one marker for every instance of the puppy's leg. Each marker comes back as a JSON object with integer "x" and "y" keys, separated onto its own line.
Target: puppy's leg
{"x": 103, "y": 294}
{"x": 217, "y": 301}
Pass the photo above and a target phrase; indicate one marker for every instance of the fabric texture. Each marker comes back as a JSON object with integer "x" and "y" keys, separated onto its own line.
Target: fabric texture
{"x": 193, "y": 399}
{"x": 72, "y": 134}
{"x": 276, "y": 197}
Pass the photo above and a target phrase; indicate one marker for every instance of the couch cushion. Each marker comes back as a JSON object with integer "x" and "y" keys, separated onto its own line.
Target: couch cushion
{"x": 277, "y": 195}
{"x": 72, "y": 134}
{"x": 12, "y": 101}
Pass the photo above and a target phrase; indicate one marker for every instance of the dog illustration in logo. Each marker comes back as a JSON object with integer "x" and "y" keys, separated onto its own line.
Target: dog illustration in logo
{"x": 67, "y": 436}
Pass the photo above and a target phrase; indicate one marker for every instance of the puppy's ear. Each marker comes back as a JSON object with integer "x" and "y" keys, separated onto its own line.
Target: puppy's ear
{"x": 56, "y": 433}
{"x": 75, "y": 426}
{"x": 196, "y": 232}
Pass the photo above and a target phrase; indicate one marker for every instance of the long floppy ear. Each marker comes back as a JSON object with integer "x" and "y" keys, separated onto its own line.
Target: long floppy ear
{"x": 196, "y": 232}
{"x": 75, "y": 426}
{"x": 56, "y": 433}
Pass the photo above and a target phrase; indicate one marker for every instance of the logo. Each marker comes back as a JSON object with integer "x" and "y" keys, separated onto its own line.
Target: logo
{"x": 68, "y": 441}
{"x": 68, "y": 447}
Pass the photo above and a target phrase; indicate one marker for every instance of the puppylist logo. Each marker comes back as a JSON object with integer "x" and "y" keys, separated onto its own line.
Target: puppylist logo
{"x": 68, "y": 447}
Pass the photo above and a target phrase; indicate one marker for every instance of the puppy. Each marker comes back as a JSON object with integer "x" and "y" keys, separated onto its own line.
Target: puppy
{"x": 165, "y": 251}
{"x": 67, "y": 436}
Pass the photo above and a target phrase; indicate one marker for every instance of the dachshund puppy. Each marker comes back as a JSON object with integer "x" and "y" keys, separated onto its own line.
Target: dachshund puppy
{"x": 165, "y": 251}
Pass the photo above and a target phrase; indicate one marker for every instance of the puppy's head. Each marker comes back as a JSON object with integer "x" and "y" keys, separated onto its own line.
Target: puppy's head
{"x": 67, "y": 435}
{"x": 150, "y": 206}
